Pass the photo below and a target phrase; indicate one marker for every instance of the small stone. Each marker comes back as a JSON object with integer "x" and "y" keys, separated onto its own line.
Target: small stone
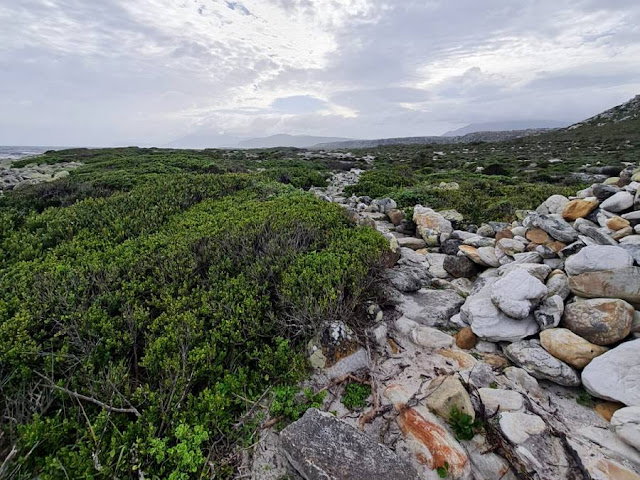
{"x": 558, "y": 228}
{"x": 617, "y": 223}
{"x": 569, "y": 347}
{"x": 579, "y": 209}
{"x": 537, "y": 235}
{"x": 499, "y": 400}
{"x": 506, "y": 233}
{"x": 466, "y": 339}
{"x": 446, "y": 392}
{"x": 621, "y": 235}
{"x": 430, "y": 338}
{"x": 602, "y": 321}
{"x": 412, "y": 243}
{"x": 396, "y": 216}
{"x": 519, "y": 427}
{"x": 549, "y": 312}
{"x": 510, "y": 246}
{"x": 558, "y": 284}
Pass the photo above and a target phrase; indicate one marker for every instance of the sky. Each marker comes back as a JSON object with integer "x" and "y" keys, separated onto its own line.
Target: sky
{"x": 148, "y": 72}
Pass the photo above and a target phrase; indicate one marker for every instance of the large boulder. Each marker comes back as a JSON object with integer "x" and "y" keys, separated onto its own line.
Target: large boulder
{"x": 321, "y": 447}
{"x": 615, "y": 375}
{"x": 432, "y": 308}
{"x": 598, "y": 257}
{"x": 491, "y": 324}
{"x": 529, "y": 355}
{"x": 623, "y": 283}
{"x": 408, "y": 277}
{"x": 430, "y": 222}
{"x": 569, "y": 347}
{"x": 602, "y": 321}
{"x": 626, "y": 424}
{"x": 517, "y": 293}
{"x": 618, "y": 202}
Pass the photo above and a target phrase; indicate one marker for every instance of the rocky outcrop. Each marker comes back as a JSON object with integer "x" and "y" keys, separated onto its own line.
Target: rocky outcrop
{"x": 321, "y": 447}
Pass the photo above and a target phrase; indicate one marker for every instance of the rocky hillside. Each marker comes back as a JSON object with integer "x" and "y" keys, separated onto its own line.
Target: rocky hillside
{"x": 506, "y": 350}
{"x": 622, "y": 113}
{"x": 434, "y": 140}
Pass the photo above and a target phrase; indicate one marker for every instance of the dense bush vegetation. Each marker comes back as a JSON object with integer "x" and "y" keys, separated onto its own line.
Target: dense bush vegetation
{"x": 146, "y": 301}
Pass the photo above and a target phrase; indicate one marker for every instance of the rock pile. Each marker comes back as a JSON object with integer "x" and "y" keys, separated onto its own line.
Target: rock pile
{"x": 546, "y": 310}
{"x": 13, "y": 178}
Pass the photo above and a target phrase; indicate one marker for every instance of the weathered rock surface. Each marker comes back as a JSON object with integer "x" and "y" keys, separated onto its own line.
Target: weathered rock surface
{"x": 618, "y": 202}
{"x": 569, "y": 347}
{"x": 489, "y": 323}
{"x": 615, "y": 375}
{"x": 499, "y": 400}
{"x": 626, "y": 424}
{"x": 519, "y": 427}
{"x": 517, "y": 293}
{"x": 549, "y": 312}
{"x": 623, "y": 283}
{"x": 529, "y": 355}
{"x": 321, "y": 447}
{"x": 459, "y": 267}
{"x": 602, "y": 321}
{"x": 445, "y": 393}
{"x": 432, "y": 308}
{"x": 597, "y": 258}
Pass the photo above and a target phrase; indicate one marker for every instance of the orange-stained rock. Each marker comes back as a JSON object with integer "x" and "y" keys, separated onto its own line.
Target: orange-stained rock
{"x": 556, "y": 246}
{"x": 607, "y": 409}
{"x": 463, "y": 358}
{"x": 617, "y": 223}
{"x": 579, "y": 208}
{"x": 612, "y": 470}
{"x": 506, "y": 233}
{"x": 431, "y": 444}
{"x": 466, "y": 339}
{"x": 537, "y": 235}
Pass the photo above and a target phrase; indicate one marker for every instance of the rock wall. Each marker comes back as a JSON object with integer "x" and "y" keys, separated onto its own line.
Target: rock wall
{"x": 528, "y": 328}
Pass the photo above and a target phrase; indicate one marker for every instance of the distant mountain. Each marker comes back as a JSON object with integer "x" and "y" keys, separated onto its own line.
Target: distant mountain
{"x": 504, "y": 127}
{"x": 433, "y": 140}
{"x": 283, "y": 140}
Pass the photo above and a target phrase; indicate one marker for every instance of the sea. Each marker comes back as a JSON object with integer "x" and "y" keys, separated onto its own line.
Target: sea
{"x": 12, "y": 153}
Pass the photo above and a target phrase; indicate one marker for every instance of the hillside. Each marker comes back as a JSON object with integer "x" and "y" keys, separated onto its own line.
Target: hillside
{"x": 504, "y": 127}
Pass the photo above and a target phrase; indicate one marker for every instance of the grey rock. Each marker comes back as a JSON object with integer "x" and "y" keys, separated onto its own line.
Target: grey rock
{"x": 450, "y": 246}
{"x": 572, "y": 249}
{"x": 598, "y": 236}
{"x": 459, "y": 266}
{"x": 408, "y": 278}
{"x": 432, "y": 308}
{"x": 549, "y": 312}
{"x": 537, "y": 270}
{"x": 615, "y": 375}
{"x": 553, "y": 204}
{"x": 626, "y": 424}
{"x": 595, "y": 258}
{"x": 618, "y": 202}
{"x": 517, "y": 293}
{"x": 556, "y": 227}
{"x": 321, "y": 447}
{"x": 558, "y": 284}
{"x": 489, "y": 323}
{"x": 529, "y": 355}
{"x": 385, "y": 205}
{"x": 623, "y": 283}
{"x": 633, "y": 250}
{"x": 602, "y": 191}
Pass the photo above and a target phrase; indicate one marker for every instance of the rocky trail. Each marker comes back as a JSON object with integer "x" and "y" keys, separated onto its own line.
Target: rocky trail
{"x": 527, "y": 331}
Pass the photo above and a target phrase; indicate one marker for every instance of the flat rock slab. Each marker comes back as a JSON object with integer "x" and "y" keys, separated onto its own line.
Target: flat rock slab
{"x": 321, "y": 447}
{"x": 432, "y": 308}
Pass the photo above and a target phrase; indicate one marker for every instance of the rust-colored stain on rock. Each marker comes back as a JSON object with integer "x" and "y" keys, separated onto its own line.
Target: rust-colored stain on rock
{"x": 434, "y": 438}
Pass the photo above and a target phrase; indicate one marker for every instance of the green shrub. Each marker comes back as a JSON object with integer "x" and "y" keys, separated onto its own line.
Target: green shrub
{"x": 355, "y": 396}
{"x": 290, "y": 403}
{"x": 463, "y": 425}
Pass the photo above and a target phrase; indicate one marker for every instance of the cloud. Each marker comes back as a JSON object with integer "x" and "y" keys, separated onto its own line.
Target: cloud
{"x": 149, "y": 71}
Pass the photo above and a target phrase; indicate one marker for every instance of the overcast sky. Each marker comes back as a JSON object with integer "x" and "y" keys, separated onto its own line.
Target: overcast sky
{"x": 108, "y": 72}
